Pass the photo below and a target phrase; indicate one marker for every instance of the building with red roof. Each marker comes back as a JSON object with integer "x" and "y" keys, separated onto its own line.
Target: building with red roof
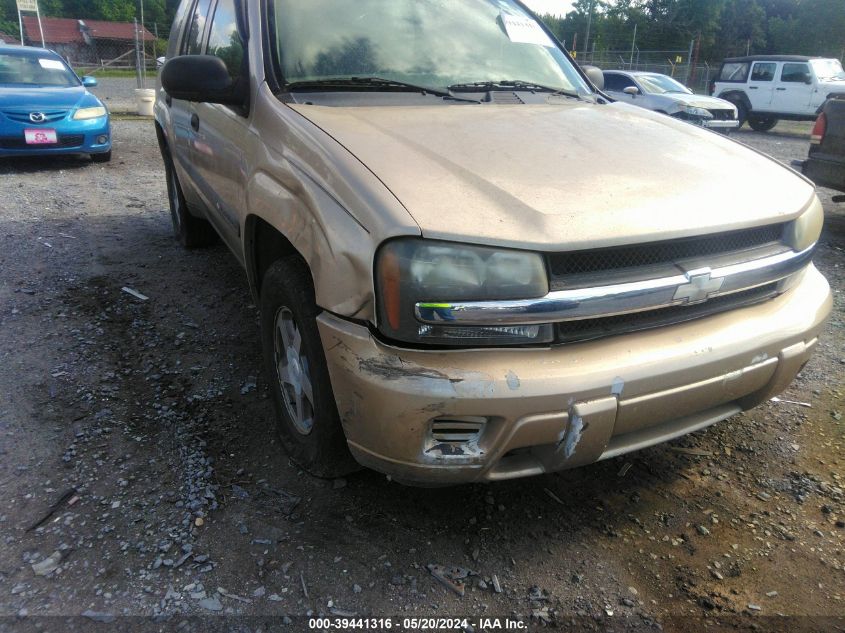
{"x": 85, "y": 41}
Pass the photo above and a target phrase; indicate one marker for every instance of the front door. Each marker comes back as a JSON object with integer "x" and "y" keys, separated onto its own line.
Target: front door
{"x": 794, "y": 91}
{"x": 224, "y": 131}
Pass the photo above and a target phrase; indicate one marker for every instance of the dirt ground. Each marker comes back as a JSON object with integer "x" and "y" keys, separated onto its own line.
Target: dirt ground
{"x": 140, "y": 481}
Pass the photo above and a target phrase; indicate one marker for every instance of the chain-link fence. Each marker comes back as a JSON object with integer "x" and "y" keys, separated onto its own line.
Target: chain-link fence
{"x": 675, "y": 63}
{"x": 95, "y": 47}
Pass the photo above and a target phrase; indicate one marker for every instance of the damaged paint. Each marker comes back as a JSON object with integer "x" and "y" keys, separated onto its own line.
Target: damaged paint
{"x": 576, "y": 432}
{"x": 617, "y": 387}
{"x": 445, "y": 449}
{"x": 392, "y": 368}
{"x": 513, "y": 381}
{"x": 759, "y": 358}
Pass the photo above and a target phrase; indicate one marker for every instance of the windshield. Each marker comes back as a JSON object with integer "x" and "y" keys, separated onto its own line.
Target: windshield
{"x": 431, "y": 43}
{"x": 828, "y": 69}
{"x": 661, "y": 84}
{"x": 34, "y": 70}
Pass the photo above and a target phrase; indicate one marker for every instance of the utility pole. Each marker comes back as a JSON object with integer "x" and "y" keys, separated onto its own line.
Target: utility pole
{"x": 137, "y": 57}
{"x": 143, "y": 49}
{"x": 633, "y": 46}
{"x": 589, "y": 24}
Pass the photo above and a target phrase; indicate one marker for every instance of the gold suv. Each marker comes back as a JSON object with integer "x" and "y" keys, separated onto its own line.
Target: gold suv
{"x": 471, "y": 264}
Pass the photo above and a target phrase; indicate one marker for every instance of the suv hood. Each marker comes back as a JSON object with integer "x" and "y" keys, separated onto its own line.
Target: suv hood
{"x": 573, "y": 175}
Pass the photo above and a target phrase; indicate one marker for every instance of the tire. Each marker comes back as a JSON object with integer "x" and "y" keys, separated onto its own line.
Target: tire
{"x": 308, "y": 424}
{"x": 105, "y": 157}
{"x": 762, "y": 124}
{"x": 741, "y": 113}
{"x": 189, "y": 231}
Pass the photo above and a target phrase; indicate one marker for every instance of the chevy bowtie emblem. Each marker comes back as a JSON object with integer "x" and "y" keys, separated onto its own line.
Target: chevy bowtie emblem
{"x": 37, "y": 117}
{"x": 699, "y": 287}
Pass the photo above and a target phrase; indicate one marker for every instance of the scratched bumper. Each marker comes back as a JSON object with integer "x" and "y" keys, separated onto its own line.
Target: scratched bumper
{"x": 555, "y": 408}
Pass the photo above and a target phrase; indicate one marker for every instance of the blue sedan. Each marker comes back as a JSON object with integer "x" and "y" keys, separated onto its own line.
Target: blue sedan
{"x": 45, "y": 108}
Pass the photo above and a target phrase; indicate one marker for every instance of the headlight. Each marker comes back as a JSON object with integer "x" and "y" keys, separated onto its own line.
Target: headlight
{"x": 805, "y": 230}
{"x": 412, "y": 271}
{"x": 696, "y": 112}
{"x": 83, "y": 114}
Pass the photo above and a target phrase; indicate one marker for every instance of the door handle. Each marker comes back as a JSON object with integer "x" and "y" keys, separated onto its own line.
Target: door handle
{"x": 195, "y": 122}
{"x": 780, "y": 88}
{"x": 752, "y": 87}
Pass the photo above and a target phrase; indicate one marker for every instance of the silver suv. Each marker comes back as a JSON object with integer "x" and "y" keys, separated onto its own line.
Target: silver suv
{"x": 470, "y": 266}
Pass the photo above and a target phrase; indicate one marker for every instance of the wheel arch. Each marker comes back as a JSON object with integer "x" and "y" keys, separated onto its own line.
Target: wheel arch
{"x": 264, "y": 244}
{"x": 735, "y": 97}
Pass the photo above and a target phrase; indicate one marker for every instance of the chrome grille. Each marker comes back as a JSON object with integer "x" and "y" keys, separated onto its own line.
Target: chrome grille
{"x": 579, "y": 331}
{"x": 723, "y": 115}
{"x": 22, "y": 116}
{"x": 668, "y": 252}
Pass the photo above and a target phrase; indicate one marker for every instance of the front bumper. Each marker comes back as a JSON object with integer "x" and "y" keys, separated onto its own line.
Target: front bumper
{"x": 554, "y": 408}
{"x": 713, "y": 124}
{"x": 75, "y": 137}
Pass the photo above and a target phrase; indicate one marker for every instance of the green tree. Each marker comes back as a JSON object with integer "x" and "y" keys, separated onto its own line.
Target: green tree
{"x": 742, "y": 27}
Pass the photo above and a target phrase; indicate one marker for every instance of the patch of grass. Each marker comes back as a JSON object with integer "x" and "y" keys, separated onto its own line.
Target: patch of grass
{"x": 119, "y": 73}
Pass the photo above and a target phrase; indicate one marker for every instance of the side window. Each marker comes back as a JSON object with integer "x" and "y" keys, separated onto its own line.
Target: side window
{"x": 795, "y": 73}
{"x": 193, "y": 43}
{"x": 617, "y": 83}
{"x": 763, "y": 71}
{"x": 225, "y": 41}
{"x": 734, "y": 71}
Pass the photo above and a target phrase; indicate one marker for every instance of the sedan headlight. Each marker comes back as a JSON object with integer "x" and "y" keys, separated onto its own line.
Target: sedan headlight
{"x": 432, "y": 274}
{"x": 696, "y": 112}
{"x": 83, "y": 114}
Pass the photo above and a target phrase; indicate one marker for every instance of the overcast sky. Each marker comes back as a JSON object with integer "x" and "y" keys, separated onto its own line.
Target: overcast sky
{"x": 556, "y": 7}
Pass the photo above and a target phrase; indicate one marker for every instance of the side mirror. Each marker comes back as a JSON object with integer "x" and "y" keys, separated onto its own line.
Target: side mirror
{"x": 89, "y": 82}
{"x": 631, "y": 90}
{"x": 808, "y": 79}
{"x": 595, "y": 75}
{"x": 201, "y": 79}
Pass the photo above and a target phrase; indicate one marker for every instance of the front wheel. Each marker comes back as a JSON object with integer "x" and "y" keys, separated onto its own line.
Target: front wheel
{"x": 762, "y": 124}
{"x": 308, "y": 423}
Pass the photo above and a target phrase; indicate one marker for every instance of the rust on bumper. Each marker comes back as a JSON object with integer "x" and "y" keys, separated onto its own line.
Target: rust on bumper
{"x": 545, "y": 409}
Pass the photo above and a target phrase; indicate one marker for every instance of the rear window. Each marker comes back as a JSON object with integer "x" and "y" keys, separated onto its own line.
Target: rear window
{"x": 734, "y": 71}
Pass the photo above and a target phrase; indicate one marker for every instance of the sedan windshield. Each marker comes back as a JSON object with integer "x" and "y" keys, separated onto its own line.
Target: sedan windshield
{"x": 827, "y": 69}
{"x": 661, "y": 84}
{"x": 27, "y": 69}
{"x": 428, "y": 43}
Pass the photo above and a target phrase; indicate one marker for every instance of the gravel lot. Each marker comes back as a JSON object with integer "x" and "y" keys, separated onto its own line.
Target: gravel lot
{"x": 118, "y": 93}
{"x": 139, "y": 474}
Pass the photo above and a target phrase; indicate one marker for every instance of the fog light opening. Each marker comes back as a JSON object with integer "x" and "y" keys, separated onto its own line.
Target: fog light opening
{"x": 102, "y": 140}
{"x": 459, "y": 429}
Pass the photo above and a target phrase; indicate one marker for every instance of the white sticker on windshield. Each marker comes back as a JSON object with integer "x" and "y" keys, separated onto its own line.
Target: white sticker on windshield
{"x": 524, "y": 30}
{"x": 51, "y": 64}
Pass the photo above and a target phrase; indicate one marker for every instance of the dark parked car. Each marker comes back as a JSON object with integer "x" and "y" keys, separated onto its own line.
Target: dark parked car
{"x": 826, "y": 163}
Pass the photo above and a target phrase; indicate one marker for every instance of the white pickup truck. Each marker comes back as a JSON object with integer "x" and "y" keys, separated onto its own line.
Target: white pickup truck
{"x": 767, "y": 88}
